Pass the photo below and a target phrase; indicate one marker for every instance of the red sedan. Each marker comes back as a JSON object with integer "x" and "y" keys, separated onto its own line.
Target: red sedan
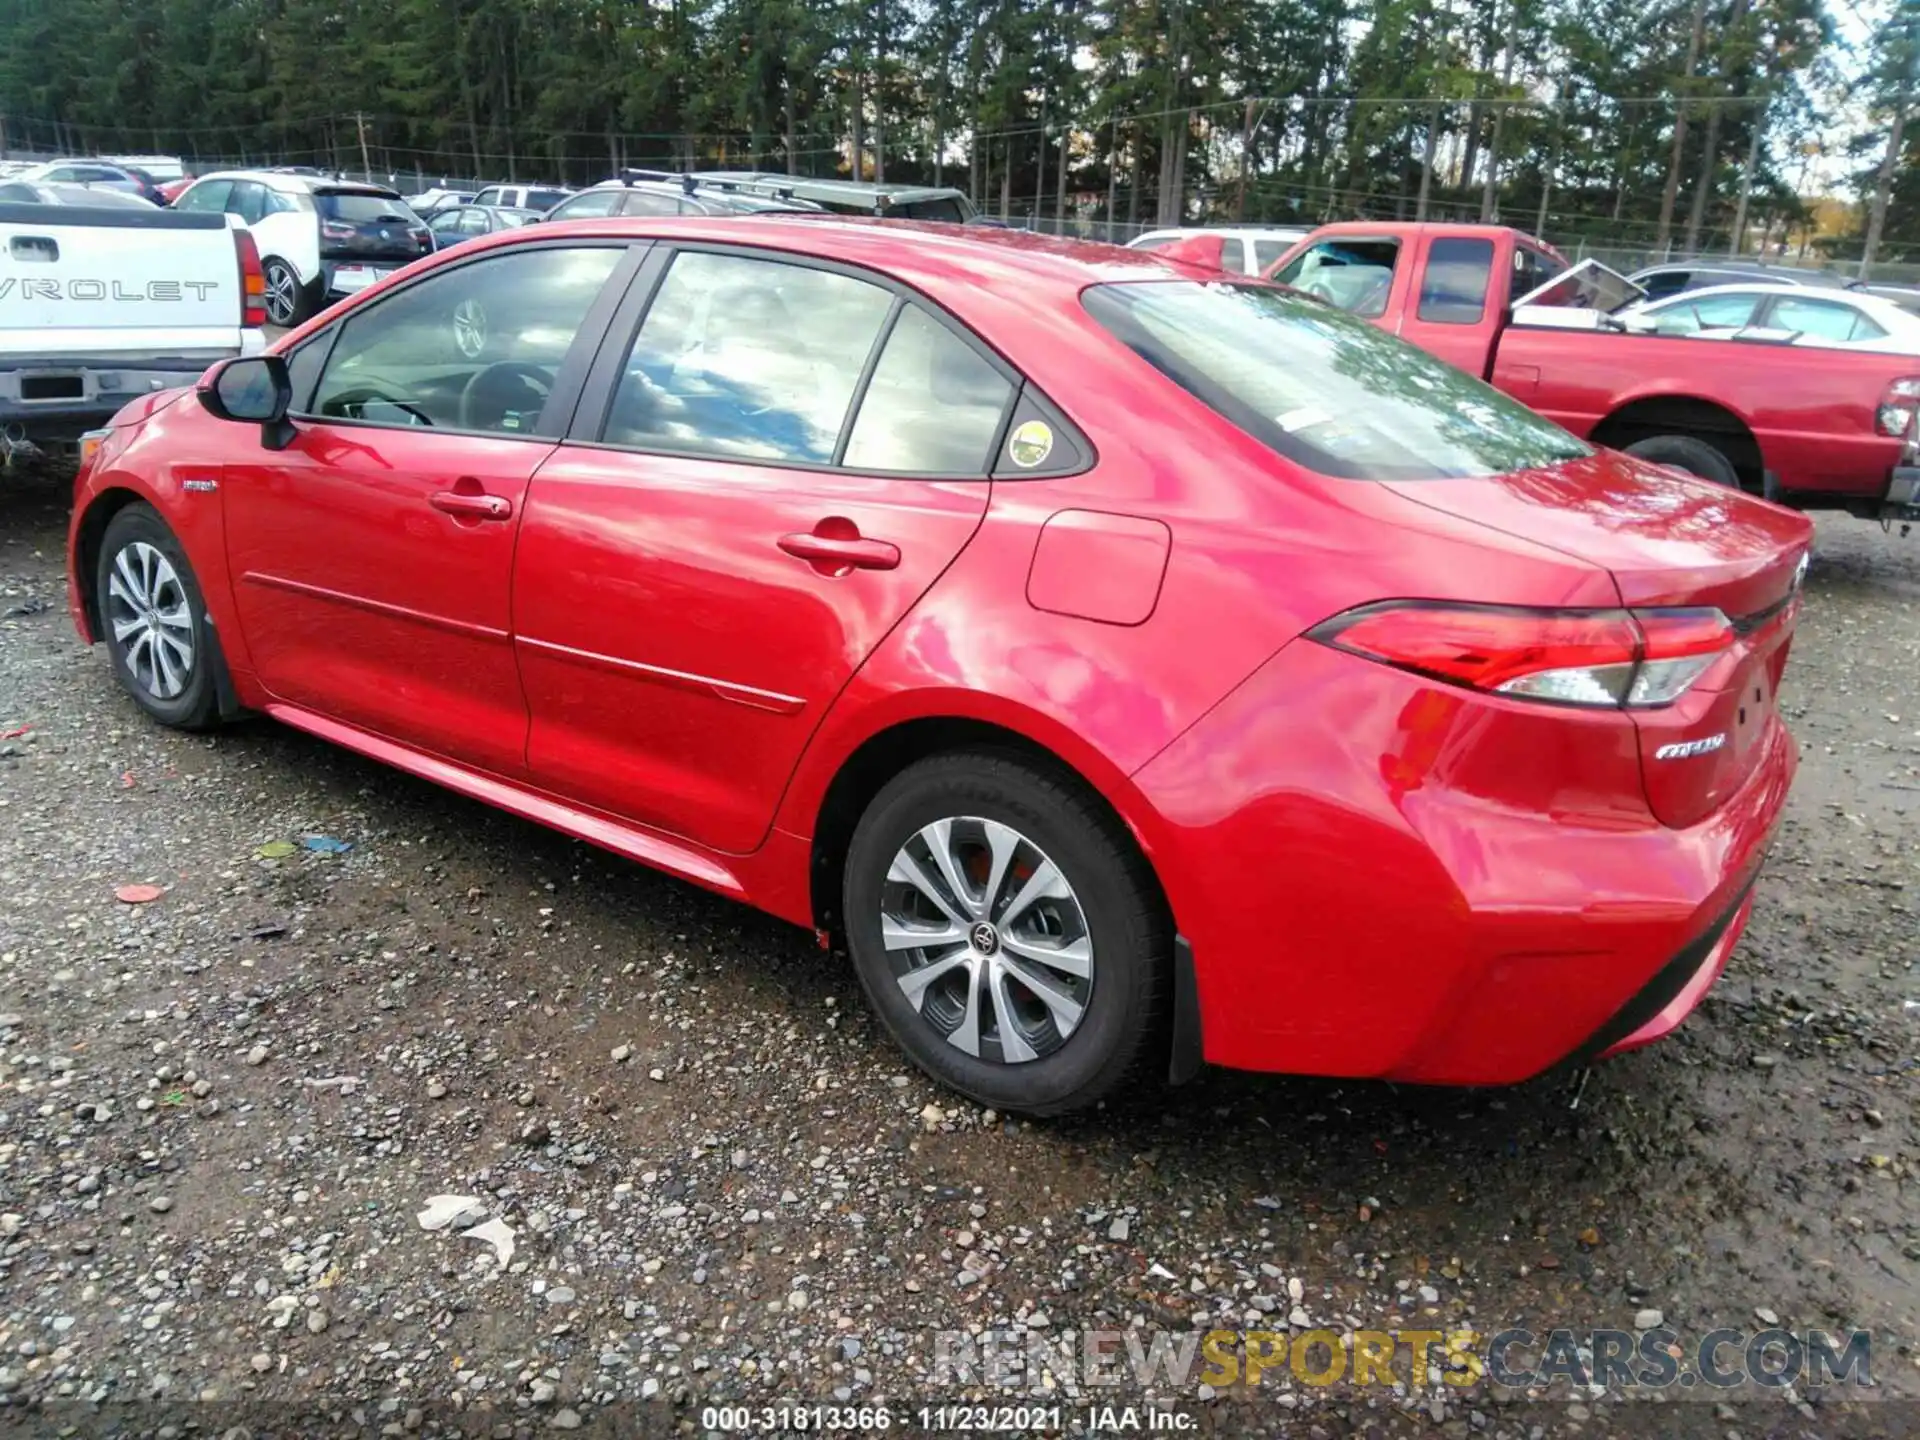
{"x": 1134, "y": 667}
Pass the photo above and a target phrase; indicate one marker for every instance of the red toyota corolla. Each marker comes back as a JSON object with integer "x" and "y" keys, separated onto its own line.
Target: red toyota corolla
{"x": 1135, "y": 667}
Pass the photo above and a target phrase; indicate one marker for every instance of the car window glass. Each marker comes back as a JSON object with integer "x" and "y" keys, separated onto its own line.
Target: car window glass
{"x": 724, "y": 364}
{"x": 489, "y": 196}
{"x": 1453, "y": 291}
{"x": 278, "y": 202}
{"x": 207, "y": 195}
{"x": 650, "y": 202}
{"x": 1233, "y": 254}
{"x": 1663, "y": 284}
{"x": 248, "y": 201}
{"x": 475, "y": 347}
{"x": 1265, "y": 252}
{"x": 1355, "y": 275}
{"x": 445, "y": 222}
{"x": 473, "y": 222}
{"x": 1153, "y": 242}
{"x": 1531, "y": 269}
{"x": 941, "y": 209}
{"x": 1690, "y": 314}
{"x": 594, "y": 202}
{"x": 21, "y": 193}
{"x": 1819, "y": 319}
{"x": 543, "y": 199}
{"x": 933, "y": 406}
{"x": 1324, "y": 389}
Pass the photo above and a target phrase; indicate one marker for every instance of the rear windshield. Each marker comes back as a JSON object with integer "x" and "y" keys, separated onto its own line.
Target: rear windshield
{"x": 1325, "y": 390}
{"x": 357, "y": 207}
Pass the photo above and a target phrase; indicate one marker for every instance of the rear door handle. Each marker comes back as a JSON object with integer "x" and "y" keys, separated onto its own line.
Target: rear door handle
{"x": 471, "y": 507}
{"x": 837, "y": 556}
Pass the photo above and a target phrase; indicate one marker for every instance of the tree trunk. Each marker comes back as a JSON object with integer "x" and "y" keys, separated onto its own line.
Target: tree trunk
{"x": 1006, "y": 182}
{"x": 1426, "y": 163}
{"x": 1490, "y": 191}
{"x": 1040, "y": 164}
{"x": 1672, "y": 191}
{"x": 1060, "y": 185}
{"x": 1883, "y": 184}
{"x": 1113, "y": 173}
{"x": 1133, "y": 186}
{"x": 1470, "y": 155}
{"x": 1738, "y": 242}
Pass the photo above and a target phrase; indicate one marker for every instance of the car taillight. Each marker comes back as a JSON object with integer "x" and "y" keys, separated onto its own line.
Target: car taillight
{"x": 334, "y": 230}
{"x": 253, "y": 282}
{"x": 1611, "y": 658}
{"x": 1897, "y": 406}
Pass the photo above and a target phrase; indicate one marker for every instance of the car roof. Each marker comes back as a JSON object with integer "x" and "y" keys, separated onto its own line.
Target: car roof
{"x": 1758, "y": 287}
{"x": 851, "y": 189}
{"x": 955, "y": 253}
{"x": 1257, "y": 230}
{"x": 300, "y": 184}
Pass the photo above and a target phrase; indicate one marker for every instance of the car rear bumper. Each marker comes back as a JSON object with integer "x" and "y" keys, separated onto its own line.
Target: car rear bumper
{"x": 1384, "y": 877}
{"x": 57, "y": 400}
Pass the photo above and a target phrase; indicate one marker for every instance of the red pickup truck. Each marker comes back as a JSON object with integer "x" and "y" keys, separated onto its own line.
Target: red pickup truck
{"x": 1809, "y": 427}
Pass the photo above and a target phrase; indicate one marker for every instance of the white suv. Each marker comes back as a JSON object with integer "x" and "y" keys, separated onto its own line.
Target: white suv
{"x": 317, "y": 237}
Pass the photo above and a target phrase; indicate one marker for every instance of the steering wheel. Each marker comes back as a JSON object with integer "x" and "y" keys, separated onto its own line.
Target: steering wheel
{"x": 1319, "y": 290}
{"x": 493, "y": 389}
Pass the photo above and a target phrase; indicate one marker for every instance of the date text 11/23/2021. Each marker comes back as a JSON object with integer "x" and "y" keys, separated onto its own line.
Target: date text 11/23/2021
{"x": 946, "y": 1419}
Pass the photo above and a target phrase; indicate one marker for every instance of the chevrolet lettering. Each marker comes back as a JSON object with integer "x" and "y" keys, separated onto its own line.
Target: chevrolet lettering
{"x": 94, "y": 290}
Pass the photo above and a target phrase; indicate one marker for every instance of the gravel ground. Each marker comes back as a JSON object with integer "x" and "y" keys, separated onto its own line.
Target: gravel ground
{"x": 220, "y": 1113}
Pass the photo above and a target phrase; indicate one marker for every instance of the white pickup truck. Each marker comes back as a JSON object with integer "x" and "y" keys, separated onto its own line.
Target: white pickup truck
{"x": 101, "y": 306}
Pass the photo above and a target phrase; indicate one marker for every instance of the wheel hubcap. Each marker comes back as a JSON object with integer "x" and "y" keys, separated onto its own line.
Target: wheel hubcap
{"x": 150, "y": 619}
{"x": 987, "y": 940}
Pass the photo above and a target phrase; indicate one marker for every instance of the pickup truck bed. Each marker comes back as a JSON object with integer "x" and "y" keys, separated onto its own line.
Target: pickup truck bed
{"x": 102, "y": 306}
{"x": 1809, "y": 427}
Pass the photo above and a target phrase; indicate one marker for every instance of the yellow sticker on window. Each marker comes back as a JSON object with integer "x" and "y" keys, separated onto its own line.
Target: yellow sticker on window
{"x": 1031, "y": 444}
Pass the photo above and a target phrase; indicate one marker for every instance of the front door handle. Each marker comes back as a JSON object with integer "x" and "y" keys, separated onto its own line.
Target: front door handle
{"x": 466, "y": 506}
{"x": 836, "y": 555}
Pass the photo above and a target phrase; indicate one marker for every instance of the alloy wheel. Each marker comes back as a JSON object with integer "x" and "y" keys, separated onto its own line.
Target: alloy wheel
{"x": 283, "y": 294}
{"x": 151, "y": 620}
{"x": 987, "y": 940}
{"x": 470, "y": 328}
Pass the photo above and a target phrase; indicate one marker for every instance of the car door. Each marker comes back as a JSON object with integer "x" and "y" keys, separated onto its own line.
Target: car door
{"x": 747, "y": 505}
{"x": 372, "y": 556}
{"x": 1449, "y": 315}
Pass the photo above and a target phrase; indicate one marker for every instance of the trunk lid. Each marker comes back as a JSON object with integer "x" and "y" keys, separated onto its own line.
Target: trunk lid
{"x": 1670, "y": 541}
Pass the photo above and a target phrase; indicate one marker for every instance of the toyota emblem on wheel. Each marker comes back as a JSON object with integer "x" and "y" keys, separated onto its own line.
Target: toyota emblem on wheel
{"x": 985, "y": 939}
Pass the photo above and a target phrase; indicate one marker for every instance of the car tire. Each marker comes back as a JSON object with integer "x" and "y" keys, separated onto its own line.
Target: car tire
{"x": 154, "y": 621}
{"x": 1683, "y": 452}
{"x": 1075, "y": 1038}
{"x": 289, "y": 303}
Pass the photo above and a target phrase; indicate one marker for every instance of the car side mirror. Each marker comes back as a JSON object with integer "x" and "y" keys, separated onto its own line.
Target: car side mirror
{"x": 253, "y": 389}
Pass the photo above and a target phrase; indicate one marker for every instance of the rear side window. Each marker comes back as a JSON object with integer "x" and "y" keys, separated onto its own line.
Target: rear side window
{"x": 1454, "y": 289}
{"x": 947, "y": 210}
{"x": 650, "y": 202}
{"x": 1354, "y": 275}
{"x": 1266, "y": 252}
{"x": 248, "y": 201}
{"x": 747, "y": 359}
{"x": 1322, "y": 389}
{"x": 1233, "y": 255}
{"x": 1706, "y": 312}
{"x": 1822, "y": 319}
{"x": 583, "y": 207}
{"x": 933, "y": 406}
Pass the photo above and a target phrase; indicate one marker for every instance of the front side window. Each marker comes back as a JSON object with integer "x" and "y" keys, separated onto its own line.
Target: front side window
{"x": 933, "y": 406}
{"x": 475, "y": 347}
{"x": 473, "y": 221}
{"x": 1354, "y": 275}
{"x": 207, "y": 195}
{"x": 1663, "y": 283}
{"x": 747, "y": 359}
{"x": 1325, "y": 390}
{"x": 446, "y": 222}
{"x": 489, "y": 196}
{"x": 1454, "y": 289}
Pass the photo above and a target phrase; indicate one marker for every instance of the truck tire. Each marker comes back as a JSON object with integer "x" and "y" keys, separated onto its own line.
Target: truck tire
{"x": 1683, "y": 452}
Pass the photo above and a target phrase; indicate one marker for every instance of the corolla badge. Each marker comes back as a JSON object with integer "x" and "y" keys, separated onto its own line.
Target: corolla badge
{"x": 1680, "y": 750}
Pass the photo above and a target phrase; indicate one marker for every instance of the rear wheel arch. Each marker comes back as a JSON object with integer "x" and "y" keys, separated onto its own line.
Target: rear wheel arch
{"x": 1690, "y": 417}
{"x": 869, "y": 767}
